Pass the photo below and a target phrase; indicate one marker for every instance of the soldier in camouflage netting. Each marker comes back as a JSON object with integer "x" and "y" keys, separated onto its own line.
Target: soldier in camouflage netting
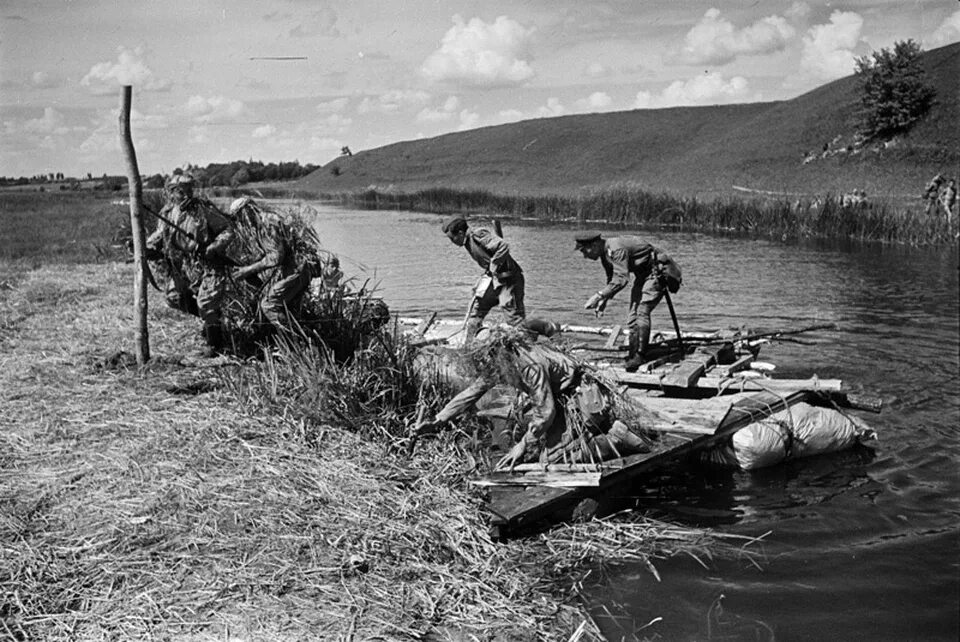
{"x": 191, "y": 240}
{"x": 278, "y": 255}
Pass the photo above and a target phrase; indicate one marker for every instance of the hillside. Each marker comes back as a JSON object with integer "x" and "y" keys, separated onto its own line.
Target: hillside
{"x": 702, "y": 151}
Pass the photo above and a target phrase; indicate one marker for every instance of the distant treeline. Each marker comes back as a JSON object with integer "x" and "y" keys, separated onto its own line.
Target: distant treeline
{"x": 231, "y": 174}
{"x": 628, "y": 206}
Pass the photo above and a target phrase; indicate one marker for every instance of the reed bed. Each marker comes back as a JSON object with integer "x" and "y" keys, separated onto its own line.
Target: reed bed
{"x": 630, "y": 205}
{"x": 222, "y": 499}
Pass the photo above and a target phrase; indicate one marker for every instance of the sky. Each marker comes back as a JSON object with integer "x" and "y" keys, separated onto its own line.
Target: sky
{"x": 218, "y": 80}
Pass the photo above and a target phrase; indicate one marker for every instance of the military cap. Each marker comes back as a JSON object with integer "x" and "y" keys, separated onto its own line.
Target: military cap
{"x": 454, "y": 224}
{"x": 586, "y": 238}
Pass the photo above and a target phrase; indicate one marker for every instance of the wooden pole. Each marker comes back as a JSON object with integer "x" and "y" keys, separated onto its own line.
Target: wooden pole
{"x": 136, "y": 227}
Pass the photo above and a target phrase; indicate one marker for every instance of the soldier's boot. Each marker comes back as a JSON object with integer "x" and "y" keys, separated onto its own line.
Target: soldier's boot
{"x": 215, "y": 339}
{"x": 635, "y": 353}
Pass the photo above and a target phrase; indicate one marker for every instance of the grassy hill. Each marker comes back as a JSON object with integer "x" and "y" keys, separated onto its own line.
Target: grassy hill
{"x": 699, "y": 151}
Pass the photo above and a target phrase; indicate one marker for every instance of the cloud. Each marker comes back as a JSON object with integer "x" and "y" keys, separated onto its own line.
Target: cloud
{"x": 336, "y": 122}
{"x": 392, "y": 101}
{"x": 707, "y": 89}
{"x": 444, "y": 112}
{"x": 553, "y": 108}
{"x": 828, "y": 48}
{"x": 322, "y": 22}
{"x": 479, "y": 54}
{"x": 130, "y": 69}
{"x": 715, "y": 41}
{"x": 594, "y": 102}
{"x": 335, "y": 105}
{"x": 43, "y": 80}
{"x": 105, "y": 136}
{"x": 468, "y": 120}
{"x": 52, "y": 122}
{"x": 214, "y": 109}
{"x": 947, "y": 32}
{"x": 264, "y": 131}
{"x": 596, "y": 70}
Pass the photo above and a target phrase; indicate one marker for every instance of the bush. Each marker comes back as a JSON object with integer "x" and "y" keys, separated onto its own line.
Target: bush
{"x": 895, "y": 92}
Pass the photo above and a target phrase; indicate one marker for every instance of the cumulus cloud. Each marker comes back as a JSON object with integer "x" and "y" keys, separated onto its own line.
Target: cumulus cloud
{"x": 214, "y": 109}
{"x": 707, "y": 89}
{"x": 947, "y": 32}
{"x": 43, "y": 80}
{"x": 482, "y": 54}
{"x": 264, "y": 131}
{"x": 335, "y": 105}
{"x": 596, "y": 101}
{"x": 129, "y": 69}
{"x": 715, "y": 41}
{"x": 828, "y": 48}
{"x": 596, "y": 70}
{"x": 393, "y": 101}
{"x": 52, "y": 122}
{"x": 468, "y": 119}
{"x": 553, "y": 108}
{"x": 443, "y": 113}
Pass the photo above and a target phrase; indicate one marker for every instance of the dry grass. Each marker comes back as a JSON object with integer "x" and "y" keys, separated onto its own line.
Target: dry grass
{"x": 151, "y": 504}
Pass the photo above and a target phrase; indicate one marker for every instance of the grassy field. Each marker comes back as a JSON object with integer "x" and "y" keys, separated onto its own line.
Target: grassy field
{"x": 693, "y": 152}
{"x": 210, "y": 499}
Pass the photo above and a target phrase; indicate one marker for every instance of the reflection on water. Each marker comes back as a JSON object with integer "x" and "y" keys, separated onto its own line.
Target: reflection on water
{"x": 863, "y": 544}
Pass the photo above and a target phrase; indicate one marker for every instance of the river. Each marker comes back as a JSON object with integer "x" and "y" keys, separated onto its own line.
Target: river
{"x": 862, "y": 544}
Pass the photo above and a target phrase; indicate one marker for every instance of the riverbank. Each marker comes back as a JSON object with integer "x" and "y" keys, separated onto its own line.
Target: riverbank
{"x": 161, "y": 502}
{"x": 777, "y": 217}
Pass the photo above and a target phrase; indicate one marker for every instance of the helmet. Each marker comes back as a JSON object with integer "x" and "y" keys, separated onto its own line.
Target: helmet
{"x": 180, "y": 180}
{"x": 239, "y": 204}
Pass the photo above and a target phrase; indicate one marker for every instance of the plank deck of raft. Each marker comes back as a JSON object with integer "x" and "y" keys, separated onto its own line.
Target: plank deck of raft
{"x": 695, "y": 402}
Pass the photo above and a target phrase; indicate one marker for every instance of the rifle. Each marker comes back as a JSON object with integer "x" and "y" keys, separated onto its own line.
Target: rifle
{"x": 661, "y": 278}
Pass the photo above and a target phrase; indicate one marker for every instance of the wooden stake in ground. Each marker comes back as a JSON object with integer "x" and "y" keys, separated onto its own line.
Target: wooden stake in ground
{"x": 136, "y": 227}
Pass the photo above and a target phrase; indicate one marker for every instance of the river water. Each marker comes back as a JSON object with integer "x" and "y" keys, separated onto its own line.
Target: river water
{"x": 860, "y": 545}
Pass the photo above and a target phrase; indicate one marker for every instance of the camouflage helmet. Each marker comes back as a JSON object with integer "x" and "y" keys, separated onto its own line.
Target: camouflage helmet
{"x": 239, "y": 204}
{"x": 184, "y": 181}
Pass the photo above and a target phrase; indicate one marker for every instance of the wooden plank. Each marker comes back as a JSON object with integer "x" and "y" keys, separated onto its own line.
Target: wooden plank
{"x": 693, "y": 366}
{"x": 612, "y": 339}
{"x": 740, "y": 364}
{"x": 655, "y": 381}
{"x": 541, "y": 478}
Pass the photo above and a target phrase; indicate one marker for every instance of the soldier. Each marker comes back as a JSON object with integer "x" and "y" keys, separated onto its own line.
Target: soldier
{"x": 267, "y": 242}
{"x": 502, "y": 281}
{"x": 570, "y": 412}
{"x": 176, "y": 289}
{"x": 653, "y": 272}
{"x": 194, "y": 239}
{"x": 948, "y": 198}
{"x": 932, "y": 193}
{"x": 332, "y": 275}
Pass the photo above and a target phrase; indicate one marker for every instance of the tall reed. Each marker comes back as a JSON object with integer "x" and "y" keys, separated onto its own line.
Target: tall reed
{"x": 629, "y": 205}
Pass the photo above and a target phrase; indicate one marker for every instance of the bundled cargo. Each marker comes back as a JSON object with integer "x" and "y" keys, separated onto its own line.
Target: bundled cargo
{"x": 799, "y": 431}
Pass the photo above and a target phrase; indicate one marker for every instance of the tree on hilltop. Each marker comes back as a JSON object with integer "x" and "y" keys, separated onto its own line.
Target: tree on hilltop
{"x": 895, "y": 93}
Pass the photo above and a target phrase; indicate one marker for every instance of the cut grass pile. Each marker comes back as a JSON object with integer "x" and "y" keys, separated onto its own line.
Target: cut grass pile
{"x": 152, "y": 503}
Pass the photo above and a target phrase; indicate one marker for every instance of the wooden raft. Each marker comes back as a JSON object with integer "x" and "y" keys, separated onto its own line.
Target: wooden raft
{"x": 514, "y": 502}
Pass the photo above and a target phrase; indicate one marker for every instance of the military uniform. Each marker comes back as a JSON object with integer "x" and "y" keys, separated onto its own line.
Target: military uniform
{"x": 561, "y": 424}
{"x": 265, "y": 237}
{"x": 503, "y": 283}
{"x": 195, "y": 249}
{"x": 625, "y": 255}
{"x": 176, "y": 288}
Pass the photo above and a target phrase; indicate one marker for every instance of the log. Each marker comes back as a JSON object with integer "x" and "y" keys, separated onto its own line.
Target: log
{"x": 142, "y": 333}
{"x": 611, "y": 343}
